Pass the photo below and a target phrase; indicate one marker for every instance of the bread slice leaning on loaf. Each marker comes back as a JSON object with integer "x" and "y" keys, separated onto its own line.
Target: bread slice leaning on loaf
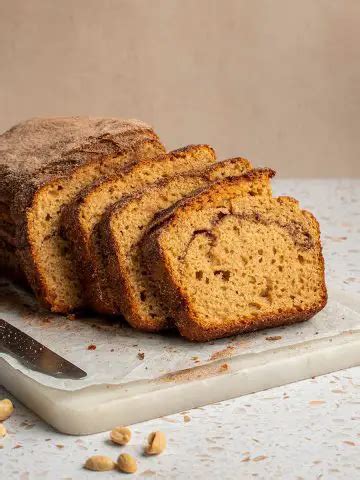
{"x": 122, "y": 229}
{"x": 44, "y": 162}
{"x": 81, "y": 216}
{"x": 229, "y": 261}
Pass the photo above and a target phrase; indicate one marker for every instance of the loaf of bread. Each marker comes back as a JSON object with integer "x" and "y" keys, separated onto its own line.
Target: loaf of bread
{"x": 121, "y": 231}
{"x": 229, "y": 260}
{"x": 44, "y": 162}
{"x": 94, "y": 213}
{"x": 81, "y": 216}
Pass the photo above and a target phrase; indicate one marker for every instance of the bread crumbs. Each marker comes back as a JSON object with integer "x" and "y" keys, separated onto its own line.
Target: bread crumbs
{"x": 317, "y": 402}
{"x": 224, "y": 367}
{"x": 274, "y": 338}
{"x": 259, "y": 458}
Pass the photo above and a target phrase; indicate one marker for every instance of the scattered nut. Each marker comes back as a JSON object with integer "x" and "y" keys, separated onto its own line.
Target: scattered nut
{"x": 157, "y": 443}
{"x": 3, "y": 430}
{"x": 6, "y": 409}
{"x": 99, "y": 463}
{"x": 120, "y": 435}
{"x": 127, "y": 463}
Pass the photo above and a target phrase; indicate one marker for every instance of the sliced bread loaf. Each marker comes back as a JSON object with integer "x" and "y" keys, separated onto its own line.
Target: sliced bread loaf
{"x": 228, "y": 262}
{"x": 122, "y": 229}
{"x": 84, "y": 212}
{"x": 44, "y": 162}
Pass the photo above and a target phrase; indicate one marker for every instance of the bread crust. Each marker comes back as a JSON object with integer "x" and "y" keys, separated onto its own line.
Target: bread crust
{"x": 185, "y": 318}
{"x": 37, "y": 153}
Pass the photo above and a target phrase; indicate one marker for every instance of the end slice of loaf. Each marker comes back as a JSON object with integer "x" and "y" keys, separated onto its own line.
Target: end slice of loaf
{"x": 81, "y": 216}
{"x": 229, "y": 263}
{"x": 123, "y": 227}
{"x": 44, "y": 162}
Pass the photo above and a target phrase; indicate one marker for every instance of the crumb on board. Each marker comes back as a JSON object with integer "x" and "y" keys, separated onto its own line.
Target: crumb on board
{"x": 274, "y": 338}
{"x": 91, "y": 347}
{"x": 317, "y": 402}
{"x": 334, "y": 238}
{"x": 187, "y": 418}
{"x": 224, "y": 353}
{"x": 195, "y": 373}
{"x": 224, "y": 367}
{"x": 141, "y": 355}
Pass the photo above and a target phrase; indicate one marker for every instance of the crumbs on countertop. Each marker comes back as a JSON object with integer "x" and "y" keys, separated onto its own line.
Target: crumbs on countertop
{"x": 259, "y": 458}
{"x": 91, "y": 347}
{"x": 317, "y": 402}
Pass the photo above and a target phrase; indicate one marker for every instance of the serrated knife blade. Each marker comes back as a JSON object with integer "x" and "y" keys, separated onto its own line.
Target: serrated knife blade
{"x": 34, "y": 355}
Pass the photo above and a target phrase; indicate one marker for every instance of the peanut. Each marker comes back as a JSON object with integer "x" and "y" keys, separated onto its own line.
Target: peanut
{"x": 120, "y": 435}
{"x": 99, "y": 463}
{"x": 3, "y": 430}
{"x": 157, "y": 443}
{"x": 127, "y": 463}
{"x": 6, "y": 409}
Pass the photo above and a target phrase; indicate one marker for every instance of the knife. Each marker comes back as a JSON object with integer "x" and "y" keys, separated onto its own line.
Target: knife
{"x": 35, "y": 356}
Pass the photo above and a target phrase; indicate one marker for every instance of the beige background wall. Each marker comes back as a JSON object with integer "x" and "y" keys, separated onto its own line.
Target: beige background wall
{"x": 277, "y": 81}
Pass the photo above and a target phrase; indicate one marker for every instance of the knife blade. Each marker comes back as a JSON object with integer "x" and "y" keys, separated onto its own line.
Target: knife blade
{"x": 34, "y": 355}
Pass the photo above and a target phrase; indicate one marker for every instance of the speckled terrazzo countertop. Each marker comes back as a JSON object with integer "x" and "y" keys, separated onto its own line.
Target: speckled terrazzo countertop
{"x": 307, "y": 430}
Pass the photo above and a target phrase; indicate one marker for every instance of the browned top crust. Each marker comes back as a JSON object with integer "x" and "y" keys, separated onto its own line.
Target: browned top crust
{"x": 36, "y": 143}
{"x": 36, "y": 150}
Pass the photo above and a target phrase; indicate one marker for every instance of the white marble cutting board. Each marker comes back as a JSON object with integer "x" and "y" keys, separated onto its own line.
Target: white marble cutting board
{"x": 174, "y": 375}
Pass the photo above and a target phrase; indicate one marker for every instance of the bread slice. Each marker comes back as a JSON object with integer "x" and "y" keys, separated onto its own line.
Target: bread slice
{"x": 84, "y": 212}
{"x": 122, "y": 229}
{"x": 228, "y": 262}
{"x": 44, "y": 162}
